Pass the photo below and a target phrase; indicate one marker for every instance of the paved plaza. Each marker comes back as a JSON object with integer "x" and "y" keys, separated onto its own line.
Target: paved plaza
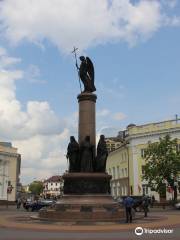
{"x": 18, "y": 224}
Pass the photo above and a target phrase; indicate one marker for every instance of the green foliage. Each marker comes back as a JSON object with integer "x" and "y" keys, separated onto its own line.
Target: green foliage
{"x": 36, "y": 187}
{"x": 162, "y": 163}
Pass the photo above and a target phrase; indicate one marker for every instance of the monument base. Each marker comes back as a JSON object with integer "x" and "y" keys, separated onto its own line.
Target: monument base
{"x": 87, "y": 199}
{"x": 86, "y": 183}
{"x": 84, "y": 208}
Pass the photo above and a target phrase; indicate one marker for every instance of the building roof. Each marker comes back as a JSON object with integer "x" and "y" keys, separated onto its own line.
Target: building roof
{"x": 113, "y": 139}
{"x": 6, "y": 144}
{"x": 56, "y": 178}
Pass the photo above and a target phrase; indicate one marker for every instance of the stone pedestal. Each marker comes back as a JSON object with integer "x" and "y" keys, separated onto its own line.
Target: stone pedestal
{"x": 86, "y": 183}
{"x": 87, "y": 121}
{"x": 84, "y": 208}
{"x": 87, "y": 199}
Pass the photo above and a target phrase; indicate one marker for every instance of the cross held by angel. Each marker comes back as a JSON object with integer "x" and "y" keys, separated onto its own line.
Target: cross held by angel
{"x": 86, "y": 72}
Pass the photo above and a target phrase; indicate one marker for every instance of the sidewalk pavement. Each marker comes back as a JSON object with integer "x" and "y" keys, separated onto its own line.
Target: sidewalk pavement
{"x": 20, "y": 219}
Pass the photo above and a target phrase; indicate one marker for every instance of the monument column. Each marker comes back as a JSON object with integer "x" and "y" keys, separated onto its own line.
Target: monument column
{"x": 86, "y": 193}
{"x": 87, "y": 117}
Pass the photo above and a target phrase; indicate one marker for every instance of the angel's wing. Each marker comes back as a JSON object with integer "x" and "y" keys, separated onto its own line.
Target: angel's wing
{"x": 90, "y": 70}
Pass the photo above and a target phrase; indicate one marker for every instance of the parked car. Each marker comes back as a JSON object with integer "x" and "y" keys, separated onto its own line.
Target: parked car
{"x": 177, "y": 205}
{"x": 37, "y": 205}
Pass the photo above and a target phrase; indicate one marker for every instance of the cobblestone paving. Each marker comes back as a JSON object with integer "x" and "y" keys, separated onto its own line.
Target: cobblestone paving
{"x": 17, "y": 225}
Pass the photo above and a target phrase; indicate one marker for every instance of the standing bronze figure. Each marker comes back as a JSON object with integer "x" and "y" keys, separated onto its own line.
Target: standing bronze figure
{"x": 87, "y": 155}
{"x": 73, "y": 155}
{"x": 102, "y": 154}
{"x": 86, "y": 74}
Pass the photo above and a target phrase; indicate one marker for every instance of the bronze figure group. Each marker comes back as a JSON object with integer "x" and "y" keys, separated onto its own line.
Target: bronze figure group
{"x": 82, "y": 158}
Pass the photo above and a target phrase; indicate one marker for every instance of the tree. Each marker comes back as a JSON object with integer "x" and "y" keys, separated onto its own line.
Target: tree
{"x": 162, "y": 164}
{"x": 36, "y": 187}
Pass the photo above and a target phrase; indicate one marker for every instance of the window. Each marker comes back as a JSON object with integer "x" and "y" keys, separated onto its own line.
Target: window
{"x": 118, "y": 171}
{"x": 145, "y": 189}
{"x": 143, "y": 153}
{"x": 114, "y": 173}
{"x": 119, "y": 191}
{"x": 123, "y": 172}
{"x": 114, "y": 194}
{"x": 122, "y": 190}
{"x": 125, "y": 190}
{"x": 126, "y": 172}
{"x": 143, "y": 169}
{"x": 178, "y": 147}
{"x": 125, "y": 156}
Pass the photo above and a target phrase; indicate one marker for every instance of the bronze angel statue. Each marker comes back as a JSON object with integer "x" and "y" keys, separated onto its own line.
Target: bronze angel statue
{"x": 86, "y": 74}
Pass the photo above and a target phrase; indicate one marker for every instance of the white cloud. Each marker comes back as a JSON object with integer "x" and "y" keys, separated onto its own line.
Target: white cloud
{"x": 33, "y": 74}
{"x": 5, "y": 60}
{"x": 40, "y": 136}
{"x": 108, "y": 131}
{"x": 119, "y": 116}
{"x": 82, "y": 23}
{"x": 103, "y": 113}
{"x": 43, "y": 152}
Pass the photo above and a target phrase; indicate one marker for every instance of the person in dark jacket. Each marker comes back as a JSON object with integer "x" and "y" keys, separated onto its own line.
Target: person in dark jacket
{"x": 18, "y": 204}
{"x": 145, "y": 204}
{"x": 152, "y": 201}
{"x": 128, "y": 203}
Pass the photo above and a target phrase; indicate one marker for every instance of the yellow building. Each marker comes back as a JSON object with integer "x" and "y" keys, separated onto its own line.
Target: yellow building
{"x": 10, "y": 162}
{"x": 112, "y": 143}
{"x": 117, "y": 166}
{"x": 130, "y": 156}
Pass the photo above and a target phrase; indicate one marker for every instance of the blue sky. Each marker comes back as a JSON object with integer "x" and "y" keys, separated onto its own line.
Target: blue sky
{"x": 134, "y": 46}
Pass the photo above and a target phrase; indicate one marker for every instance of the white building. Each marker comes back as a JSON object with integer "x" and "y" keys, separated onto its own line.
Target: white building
{"x": 53, "y": 186}
{"x": 10, "y": 162}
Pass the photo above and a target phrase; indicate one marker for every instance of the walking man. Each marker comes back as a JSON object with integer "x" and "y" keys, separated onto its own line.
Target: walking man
{"x": 18, "y": 203}
{"x": 128, "y": 203}
{"x": 145, "y": 204}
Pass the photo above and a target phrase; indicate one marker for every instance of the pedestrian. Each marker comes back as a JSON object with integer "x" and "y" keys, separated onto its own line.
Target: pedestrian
{"x": 152, "y": 201}
{"x": 145, "y": 204}
{"x": 18, "y": 203}
{"x": 128, "y": 203}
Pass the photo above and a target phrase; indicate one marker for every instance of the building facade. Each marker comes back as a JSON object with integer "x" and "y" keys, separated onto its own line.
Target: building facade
{"x": 10, "y": 163}
{"x": 112, "y": 143}
{"x": 130, "y": 156}
{"x": 117, "y": 166}
{"x": 53, "y": 187}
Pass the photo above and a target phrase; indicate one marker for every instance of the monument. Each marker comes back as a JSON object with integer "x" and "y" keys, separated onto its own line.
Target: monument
{"x": 86, "y": 183}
